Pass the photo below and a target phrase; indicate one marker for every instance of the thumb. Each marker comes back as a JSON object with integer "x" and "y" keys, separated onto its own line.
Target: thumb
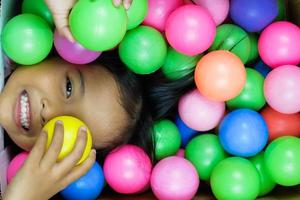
{"x": 62, "y": 25}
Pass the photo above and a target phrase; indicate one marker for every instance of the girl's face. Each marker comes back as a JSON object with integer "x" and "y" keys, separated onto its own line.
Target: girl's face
{"x": 54, "y": 88}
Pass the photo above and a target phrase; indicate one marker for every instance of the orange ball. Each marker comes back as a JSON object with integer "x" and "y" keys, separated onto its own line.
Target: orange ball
{"x": 280, "y": 124}
{"x": 220, "y": 75}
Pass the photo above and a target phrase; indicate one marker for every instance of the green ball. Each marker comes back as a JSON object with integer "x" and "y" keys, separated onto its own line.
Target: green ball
{"x": 232, "y": 38}
{"x": 27, "y": 39}
{"x": 137, "y": 13}
{"x": 205, "y": 152}
{"x": 178, "y": 65}
{"x": 167, "y": 139}
{"x": 283, "y": 161}
{"x": 143, "y": 50}
{"x": 235, "y": 178}
{"x": 39, "y": 8}
{"x": 281, "y": 10}
{"x": 253, "y": 56}
{"x": 267, "y": 184}
{"x": 252, "y": 95}
{"x": 98, "y": 25}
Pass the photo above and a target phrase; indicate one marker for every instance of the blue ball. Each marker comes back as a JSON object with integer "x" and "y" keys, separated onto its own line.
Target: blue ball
{"x": 262, "y": 68}
{"x": 87, "y": 187}
{"x": 186, "y": 133}
{"x": 243, "y": 133}
{"x": 253, "y": 15}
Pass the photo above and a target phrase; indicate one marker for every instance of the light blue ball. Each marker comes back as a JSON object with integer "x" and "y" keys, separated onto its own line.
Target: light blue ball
{"x": 243, "y": 133}
{"x": 87, "y": 187}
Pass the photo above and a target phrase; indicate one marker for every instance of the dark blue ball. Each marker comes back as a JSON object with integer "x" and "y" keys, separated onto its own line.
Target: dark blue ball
{"x": 262, "y": 68}
{"x": 243, "y": 133}
{"x": 87, "y": 187}
{"x": 253, "y": 15}
{"x": 186, "y": 133}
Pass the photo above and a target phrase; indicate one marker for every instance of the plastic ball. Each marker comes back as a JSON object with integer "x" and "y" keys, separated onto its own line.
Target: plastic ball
{"x": 71, "y": 127}
{"x": 158, "y": 12}
{"x": 180, "y": 153}
{"x": 200, "y": 113}
{"x": 174, "y": 178}
{"x": 27, "y": 39}
{"x": 136, "y": 13}
{"x": 279, "y": 44}
{"x": 283, "y": 161}
{"x": 190, "y": 38}
{"x": 178, "y": 65}
{"x": 252, "y": 96}
{"x": 205, "y": 152}
{"x": 243, "y": 133}
{"x": 262, "y": 68}
{"x": 235, "y": 179}
{"x": 186, "y": 133}
{"x": 234, "y": 39}
{"x": 73, "y": 52}
{"x": 143, "y": 50}
{"x": 217, "y": 8}
{"x": 280, "y": 124}
{"x": 98, "y": 25}
{"x": 220, "y": 75}
{"x": 281, "y": 89}
{"x": 267, "y": 184}
{"x": 87, "y": 187}
{"x": 167, "y": 139}
{"x": 127, "y": 169}
{"x": 253, "y": 15}
{"x": 253, "y": 56}
{"x": 15, "y": 164}
{"x": 38, "y": 7}
{"x": 281, "y": 10}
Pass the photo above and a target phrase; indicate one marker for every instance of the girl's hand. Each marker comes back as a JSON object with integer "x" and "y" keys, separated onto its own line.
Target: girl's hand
{"x": 60, "y": 10}
{"x": 42, "y": 176}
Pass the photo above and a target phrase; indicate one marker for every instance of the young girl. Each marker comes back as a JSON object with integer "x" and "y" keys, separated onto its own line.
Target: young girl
{"x": 117, "y": 105}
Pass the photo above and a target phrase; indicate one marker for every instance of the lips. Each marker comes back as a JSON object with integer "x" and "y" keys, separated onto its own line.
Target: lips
{"x": 23, "y": 111}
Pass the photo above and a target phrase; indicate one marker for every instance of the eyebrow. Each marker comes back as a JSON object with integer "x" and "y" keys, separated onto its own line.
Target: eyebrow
{"x": 82, "y": 82}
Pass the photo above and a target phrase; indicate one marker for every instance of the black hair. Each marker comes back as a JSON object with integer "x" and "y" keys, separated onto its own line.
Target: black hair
{"x": 146, "y": 98}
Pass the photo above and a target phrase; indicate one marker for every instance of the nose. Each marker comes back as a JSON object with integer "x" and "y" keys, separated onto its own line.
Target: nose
{"x": 49, "y": 110}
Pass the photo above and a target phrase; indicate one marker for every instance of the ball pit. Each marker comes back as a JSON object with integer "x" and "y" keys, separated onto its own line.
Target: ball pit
{"x": 71, "y": 128}
{"x": 190, "y": 38}
{"x": 186, "y": 133}
{"x": 136, "y": 13}
{"x": 15, "y": 164}
{"x": 127, "y": 169}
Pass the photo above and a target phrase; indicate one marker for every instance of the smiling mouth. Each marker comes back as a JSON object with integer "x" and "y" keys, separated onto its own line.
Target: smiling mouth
{"x": 22, "y": 111}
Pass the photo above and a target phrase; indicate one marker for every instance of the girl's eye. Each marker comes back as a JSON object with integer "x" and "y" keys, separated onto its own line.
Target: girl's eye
{"x": 69, "y": 87}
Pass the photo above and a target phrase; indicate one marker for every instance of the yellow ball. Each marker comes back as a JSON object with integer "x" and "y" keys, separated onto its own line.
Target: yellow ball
{"x": 71, "y": 128}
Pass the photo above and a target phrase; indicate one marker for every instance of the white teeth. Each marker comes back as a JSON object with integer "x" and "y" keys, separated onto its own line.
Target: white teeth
{"x": 24, "y": 111}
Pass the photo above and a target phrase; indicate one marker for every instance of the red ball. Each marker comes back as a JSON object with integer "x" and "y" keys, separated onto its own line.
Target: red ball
{"x": 280, "y": 124}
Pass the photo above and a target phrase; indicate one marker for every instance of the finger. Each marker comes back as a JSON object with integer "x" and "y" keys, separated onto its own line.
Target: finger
{"x": 54, "y": 149}
{"x": 80, "y": 170}
{"x": 127, "y": 4}
{"x": 38, "y": 150}
{"x": 62, "y": 26}
{"x": 70, "y": 161}
{"x": 117, "y": 3}
{"x": 67, "y": 34}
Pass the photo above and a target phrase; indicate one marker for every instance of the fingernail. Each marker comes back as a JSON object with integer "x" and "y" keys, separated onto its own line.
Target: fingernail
{"x": 83, "y": 129}
{"x": 59, "y": 122}
{"x": 94, "y": 151}
{"x": 126, "y": 5}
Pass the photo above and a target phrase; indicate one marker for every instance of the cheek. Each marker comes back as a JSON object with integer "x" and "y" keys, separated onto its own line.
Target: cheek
{"x": 24, "y": 142}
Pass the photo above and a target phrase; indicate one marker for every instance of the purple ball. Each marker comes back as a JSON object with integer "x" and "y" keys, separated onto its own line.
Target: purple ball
{"x": 73, "y": 52}
{"x": 253, "y": 15}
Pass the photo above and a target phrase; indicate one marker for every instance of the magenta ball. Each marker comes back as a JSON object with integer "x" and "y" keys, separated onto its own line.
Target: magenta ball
{"x": 279, "y": 44}
{"x": 15, "y": 165}
{"x": 199, "y": 112}
{"x": 190, "y": 29}
{"x": 282, "y": 90}
{"x": 73, "y": 52}
{"x": 127, "y": 169}
{"x": 180, "y": 153}
{"x": 158, "y": 12}
{"x": 174, "y": 178}
{"x": 217, "y": 8}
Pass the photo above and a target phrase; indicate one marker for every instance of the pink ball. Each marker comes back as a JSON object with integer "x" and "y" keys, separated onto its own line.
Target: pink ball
{"x": 199, "y": 112}
{"x": 73, "y": 52}
{"x": 279, "y": 44}
{"x": 15, "y": 165}
{"x": 174, "y": 178}
{"x": 158, "y": 12}
{"x": 180, "y": 153}
{"x": 188, "y": 2}
{"x": 217, "y": 8}
{"x": 127, "y": 169}
{"x": 282, "y": 89}
{"x": 190, "y": 29}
